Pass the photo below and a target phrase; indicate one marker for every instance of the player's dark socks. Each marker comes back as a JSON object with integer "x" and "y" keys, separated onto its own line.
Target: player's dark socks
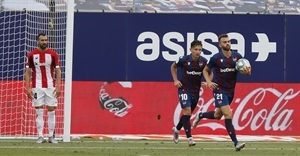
{"x": 179, "y": 125}
{"x": 187, "y": 125}
{"x": 208, "y": 115}
{"x": 231, "y": 131}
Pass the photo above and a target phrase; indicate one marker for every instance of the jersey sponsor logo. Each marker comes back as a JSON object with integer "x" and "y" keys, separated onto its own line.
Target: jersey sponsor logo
{"x": 169, "y": 46}
{"x": 193, "y": 73}
{"x": 227, "y": 70}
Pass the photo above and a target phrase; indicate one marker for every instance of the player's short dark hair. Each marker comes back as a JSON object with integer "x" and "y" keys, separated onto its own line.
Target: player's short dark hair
{"x": 40, "y": 34}
{"x": 222, "y": 36}
{"x": 196, "y": 43}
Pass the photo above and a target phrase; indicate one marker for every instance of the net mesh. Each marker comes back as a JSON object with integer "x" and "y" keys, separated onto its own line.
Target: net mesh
{"x": 20, "y": 22}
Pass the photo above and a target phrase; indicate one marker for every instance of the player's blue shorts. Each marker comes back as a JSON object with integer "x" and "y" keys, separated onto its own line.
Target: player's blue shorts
{"x": 223, "y": 99}
{"x": 187, "y": 99}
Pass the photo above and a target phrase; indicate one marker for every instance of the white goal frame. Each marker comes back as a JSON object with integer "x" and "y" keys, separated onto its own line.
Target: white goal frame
{"x": 20, "y": 23}
{"x": 68, "y": 71}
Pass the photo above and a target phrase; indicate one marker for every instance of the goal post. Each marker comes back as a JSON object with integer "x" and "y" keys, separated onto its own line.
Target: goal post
{"x": 69, "y": 71}
{"x": 20, "y": 22}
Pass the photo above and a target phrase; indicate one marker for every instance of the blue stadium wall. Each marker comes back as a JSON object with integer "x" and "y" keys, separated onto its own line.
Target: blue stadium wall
{"x": 141, "y": 47}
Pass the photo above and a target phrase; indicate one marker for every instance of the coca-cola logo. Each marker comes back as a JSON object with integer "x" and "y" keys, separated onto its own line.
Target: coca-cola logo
{"x": 265, "y": 108}
{"x": 118, "y": 105}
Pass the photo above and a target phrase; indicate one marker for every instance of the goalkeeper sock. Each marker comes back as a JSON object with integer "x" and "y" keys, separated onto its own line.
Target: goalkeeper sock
{"x": 51, "y": 122}
{"x": 40, "y": 121}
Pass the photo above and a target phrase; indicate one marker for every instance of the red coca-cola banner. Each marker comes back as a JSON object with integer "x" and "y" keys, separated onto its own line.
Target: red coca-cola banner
{"x": 153, "y": 108}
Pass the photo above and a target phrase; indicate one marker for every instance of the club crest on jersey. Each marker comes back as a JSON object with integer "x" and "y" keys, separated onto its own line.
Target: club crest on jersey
{"x": 234, "y": 59}
{"x": 221, "y": 60}
{"x": 189, "y": 63}
{"x": 201, "y": 64}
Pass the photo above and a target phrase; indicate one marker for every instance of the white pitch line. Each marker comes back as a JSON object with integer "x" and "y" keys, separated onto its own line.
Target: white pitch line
{"x": 153, "y": 141}
{"x": 181, "y": 141}
{"x": 142, "y": 148}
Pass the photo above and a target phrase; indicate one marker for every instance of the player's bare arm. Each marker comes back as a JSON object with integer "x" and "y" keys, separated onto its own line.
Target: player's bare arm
{"x": 27, "y": 81}
{"x": 177, "y": 83}
{"x": 57, "y": 83}
{"x": 204, "y": 84}
{"x": 208, "y": 75}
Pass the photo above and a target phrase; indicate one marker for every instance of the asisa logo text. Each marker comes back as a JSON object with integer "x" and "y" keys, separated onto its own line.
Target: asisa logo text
{"x": 169, "y": 46}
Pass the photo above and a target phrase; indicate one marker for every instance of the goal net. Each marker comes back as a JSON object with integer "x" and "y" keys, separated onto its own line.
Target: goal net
{"x": 20, "y": 22}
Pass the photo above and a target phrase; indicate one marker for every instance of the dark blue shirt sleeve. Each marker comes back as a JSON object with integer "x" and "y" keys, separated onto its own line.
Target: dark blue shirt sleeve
{"x": 211, "y": 62}
{"x": 179, "y": 62}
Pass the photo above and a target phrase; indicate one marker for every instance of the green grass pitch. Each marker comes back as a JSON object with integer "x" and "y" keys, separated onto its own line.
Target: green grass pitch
{"x": 90, "y": 146}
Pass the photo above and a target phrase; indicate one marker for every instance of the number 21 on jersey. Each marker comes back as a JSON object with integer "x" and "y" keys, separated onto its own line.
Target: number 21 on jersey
{"x": 218, "y": 96}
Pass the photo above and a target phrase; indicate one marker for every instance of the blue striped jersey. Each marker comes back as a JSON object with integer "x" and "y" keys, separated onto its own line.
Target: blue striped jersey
{"x": 190, "y": 74}
{"x": 225, "y": 74}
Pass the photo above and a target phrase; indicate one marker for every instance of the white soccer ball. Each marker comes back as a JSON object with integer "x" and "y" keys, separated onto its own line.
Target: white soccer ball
{"x": 242, "y": 64}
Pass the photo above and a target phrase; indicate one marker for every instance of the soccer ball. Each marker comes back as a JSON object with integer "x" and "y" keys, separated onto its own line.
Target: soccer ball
{"x": 242, "y": 64}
